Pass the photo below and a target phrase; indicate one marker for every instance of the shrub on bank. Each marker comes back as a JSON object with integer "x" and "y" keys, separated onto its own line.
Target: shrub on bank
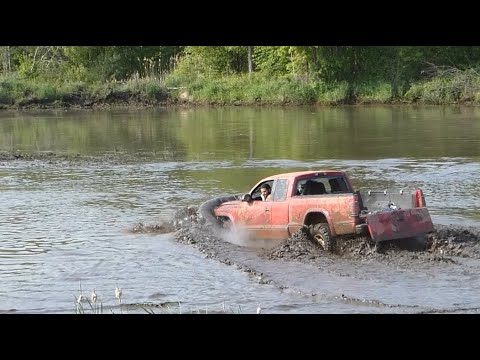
{"x": 447, "y": 87}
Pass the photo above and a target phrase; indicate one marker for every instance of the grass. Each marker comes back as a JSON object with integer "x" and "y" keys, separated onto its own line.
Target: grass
{"x": 445, "y": 87}
{"x": 84, "y": 305}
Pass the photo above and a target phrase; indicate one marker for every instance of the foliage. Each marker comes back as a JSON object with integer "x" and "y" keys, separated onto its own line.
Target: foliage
{"x": 250, "y": 89}
{"x": 147, "y": 88}
{"x": 374, "y": 92}
{"x": 332, "y": 94}
{"x": 446, "y": 86}
{"x": 6, "y": 90}
{"x": 272, "y": 60}
{"x": 122, "y": 62}
{"x": 214, "y": 60}
{"x": 220, "y": 74}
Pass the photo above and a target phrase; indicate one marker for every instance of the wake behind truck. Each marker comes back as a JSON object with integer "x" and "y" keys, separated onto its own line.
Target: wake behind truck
{"x": 325, "y": 202}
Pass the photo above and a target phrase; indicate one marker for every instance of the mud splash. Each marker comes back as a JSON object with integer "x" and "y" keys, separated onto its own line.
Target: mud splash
{"x": 444, "y": 241}
{"x": 441, "y": 247}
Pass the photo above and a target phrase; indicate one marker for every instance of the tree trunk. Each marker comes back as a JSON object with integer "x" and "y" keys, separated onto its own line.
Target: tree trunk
{"x": 394, "y": 80}
{"x": 250, "y": 62}
{"x": 7, "y": 63}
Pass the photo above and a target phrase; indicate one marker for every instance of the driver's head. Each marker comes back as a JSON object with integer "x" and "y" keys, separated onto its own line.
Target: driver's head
{"x": 265, "y": 189}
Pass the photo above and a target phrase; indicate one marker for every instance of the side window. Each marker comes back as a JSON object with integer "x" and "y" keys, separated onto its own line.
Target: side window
{"x": 343, "y": 184}
{"x": 321, "y": 185}
{"x": 299, "y": 187}
{"x": 311, "y": 186}
{"x": 338, "y": 185}
{"x": 256, "y": 194}
{"x": 280, "y": 191}
{"x": 334, "y": 185}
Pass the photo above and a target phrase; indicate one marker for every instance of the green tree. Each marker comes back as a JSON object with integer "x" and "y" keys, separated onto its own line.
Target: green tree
{"x": 272, "y": 60}
{"x": 5, "y": 54}
{"x": 122, "y": 62}
{"x": 215, "y": 60}
{"x": 31, "y": 61}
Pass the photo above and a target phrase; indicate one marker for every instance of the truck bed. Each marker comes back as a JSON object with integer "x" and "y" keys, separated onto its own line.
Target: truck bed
{"x": 395, "y": 214}
{"x": 389, "y": 199}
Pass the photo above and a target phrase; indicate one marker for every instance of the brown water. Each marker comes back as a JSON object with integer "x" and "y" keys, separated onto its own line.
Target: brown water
{"x": 65, "y": 226}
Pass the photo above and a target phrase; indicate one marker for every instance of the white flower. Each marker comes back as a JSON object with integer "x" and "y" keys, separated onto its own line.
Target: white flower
{"x": 94, "y": 296}
{"x": 118, "y": 294}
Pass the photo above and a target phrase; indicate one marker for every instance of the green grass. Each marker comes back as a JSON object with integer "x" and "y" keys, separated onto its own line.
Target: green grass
{"x": 452, "y": 87}
{"x": 85, "y": 305}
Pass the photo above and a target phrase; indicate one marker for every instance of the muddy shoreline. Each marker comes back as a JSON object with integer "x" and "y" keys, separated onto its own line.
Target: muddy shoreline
{"x": 52, "y": 158}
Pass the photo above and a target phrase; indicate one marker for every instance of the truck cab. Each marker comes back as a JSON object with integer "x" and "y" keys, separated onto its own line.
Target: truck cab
{"x": 289, "y": 208}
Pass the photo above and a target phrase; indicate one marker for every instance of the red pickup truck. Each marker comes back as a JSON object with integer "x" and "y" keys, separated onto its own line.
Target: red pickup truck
{"x": 327, "y": 204}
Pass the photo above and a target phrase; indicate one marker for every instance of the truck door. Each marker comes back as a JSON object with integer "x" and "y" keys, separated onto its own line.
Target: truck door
{"x": 279, "y": 211}
{"x": 268, "y": 219}
{"x": 256, "y": 216}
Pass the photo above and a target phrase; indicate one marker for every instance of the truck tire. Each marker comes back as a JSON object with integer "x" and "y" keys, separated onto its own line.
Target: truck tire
{"x": 225, "y": 223}
{"x": 321, "y": 236}
{"x": 206, "y": 210}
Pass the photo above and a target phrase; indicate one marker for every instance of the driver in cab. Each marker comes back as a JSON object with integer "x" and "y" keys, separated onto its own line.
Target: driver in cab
{"x": 266, "y": 191}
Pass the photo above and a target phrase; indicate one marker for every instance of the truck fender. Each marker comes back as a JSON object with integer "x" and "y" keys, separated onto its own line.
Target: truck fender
{"x": 324, "y": 213}
{"x": 206, "y": 210}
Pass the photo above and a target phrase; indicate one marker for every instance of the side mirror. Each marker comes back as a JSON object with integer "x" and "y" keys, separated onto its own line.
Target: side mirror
{"x": 247, "y": 198}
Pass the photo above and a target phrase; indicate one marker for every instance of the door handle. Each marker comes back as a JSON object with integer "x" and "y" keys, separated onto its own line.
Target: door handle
{"x": 267, "y": 209}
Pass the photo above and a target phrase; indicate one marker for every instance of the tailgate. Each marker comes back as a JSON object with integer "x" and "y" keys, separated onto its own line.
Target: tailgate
{"x": 398, "y": 224}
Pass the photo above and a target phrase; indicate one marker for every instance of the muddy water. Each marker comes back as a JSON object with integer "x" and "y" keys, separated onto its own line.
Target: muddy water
{"x": 76, "y": 185}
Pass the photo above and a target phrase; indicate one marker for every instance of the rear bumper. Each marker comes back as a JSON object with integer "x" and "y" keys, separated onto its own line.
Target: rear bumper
{"x": 397, "y": 224}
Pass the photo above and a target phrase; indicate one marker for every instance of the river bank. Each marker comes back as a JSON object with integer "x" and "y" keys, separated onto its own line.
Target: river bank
{"x": 256, "y": 90}
{"x": 112, "y": 104}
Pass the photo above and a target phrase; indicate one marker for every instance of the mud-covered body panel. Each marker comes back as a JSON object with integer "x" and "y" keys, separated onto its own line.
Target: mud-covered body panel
{"x": 335, "y": 203}
{"x": 399, "y": 224}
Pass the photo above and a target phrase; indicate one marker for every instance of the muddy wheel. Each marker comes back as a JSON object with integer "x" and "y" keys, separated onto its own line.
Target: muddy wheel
{"x": 224, "y": 223}
{"x": 321, "y": 235}
{"x": 417, "y": 243}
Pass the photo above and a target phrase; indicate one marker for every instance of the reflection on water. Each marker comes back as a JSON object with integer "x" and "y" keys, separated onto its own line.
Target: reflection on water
{"x": 239, "y": 134}
{"x": 64, "y": 225}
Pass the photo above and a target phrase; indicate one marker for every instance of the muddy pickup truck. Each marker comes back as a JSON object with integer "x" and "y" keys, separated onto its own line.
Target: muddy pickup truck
{"x": 326, "y": 203}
